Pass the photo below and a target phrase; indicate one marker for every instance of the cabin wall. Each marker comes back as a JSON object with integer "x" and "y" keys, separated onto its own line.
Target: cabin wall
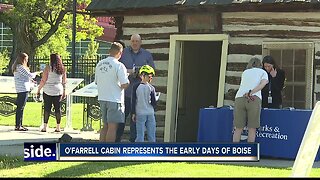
{"x": 248, "y": 30}
{"x": 155, "y": 31}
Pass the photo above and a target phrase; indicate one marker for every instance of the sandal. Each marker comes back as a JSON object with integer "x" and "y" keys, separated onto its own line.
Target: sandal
{"x": 43, "y": 130}
{"x": 24, "y": 128}
{"x": 20, "y": 129}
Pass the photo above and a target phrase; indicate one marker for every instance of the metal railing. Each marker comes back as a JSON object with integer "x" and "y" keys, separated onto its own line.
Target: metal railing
{"x": 84, "y": 68}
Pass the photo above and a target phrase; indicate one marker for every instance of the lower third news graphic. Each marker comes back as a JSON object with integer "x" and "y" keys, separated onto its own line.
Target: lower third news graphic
{"x": 141, "y": 152}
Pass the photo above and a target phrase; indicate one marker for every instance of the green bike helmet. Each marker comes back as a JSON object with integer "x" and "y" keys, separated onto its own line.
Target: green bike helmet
{"x": 147, "y": 70}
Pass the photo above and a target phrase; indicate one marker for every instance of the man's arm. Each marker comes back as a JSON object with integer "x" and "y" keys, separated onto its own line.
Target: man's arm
{"x": 122, "y": 77}
{"x": 150, "y": 60}
{"x": 124, "y": 86}
{"x": 125, "y": 60}
{"x": 263, "y": 82}
{"x": 134, "y": 98}
{"x": 130, "y": 71}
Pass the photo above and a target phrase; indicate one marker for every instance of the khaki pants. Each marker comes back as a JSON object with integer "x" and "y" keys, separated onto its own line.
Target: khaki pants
{"x": 247, "y": 112}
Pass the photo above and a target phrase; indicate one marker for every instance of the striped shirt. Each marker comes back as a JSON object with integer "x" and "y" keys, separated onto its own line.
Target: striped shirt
{"x": 22, "y": 78}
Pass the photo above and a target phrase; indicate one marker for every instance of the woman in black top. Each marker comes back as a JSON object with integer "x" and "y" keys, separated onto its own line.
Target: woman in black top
{"x": 271, "y": 93}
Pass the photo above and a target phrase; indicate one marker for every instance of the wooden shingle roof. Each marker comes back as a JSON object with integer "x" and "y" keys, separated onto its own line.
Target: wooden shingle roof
{"x": 121, "y": 5}
{"x": 144, "y": 7}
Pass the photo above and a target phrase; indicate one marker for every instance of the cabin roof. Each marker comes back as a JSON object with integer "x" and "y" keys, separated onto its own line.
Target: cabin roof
{"x": 123, "y": 5}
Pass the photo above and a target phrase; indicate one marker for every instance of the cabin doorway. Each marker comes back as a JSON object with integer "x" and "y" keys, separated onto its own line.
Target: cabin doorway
{"x": 198, "y": 66}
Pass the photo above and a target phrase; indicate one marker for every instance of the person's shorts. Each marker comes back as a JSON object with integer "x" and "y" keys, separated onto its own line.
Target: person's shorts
{"x": 247, "y": 112}
{"x": 112, "y": 112}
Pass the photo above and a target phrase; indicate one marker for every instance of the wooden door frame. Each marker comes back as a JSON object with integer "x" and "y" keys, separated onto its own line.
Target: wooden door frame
{"x": 174, "y": 73}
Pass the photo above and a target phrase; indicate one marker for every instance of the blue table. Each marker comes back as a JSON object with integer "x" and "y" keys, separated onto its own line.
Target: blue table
{"x": 280, "y": 133}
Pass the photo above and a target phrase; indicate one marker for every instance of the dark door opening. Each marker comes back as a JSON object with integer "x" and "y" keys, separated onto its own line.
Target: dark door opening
{"x": 198, "y": 87}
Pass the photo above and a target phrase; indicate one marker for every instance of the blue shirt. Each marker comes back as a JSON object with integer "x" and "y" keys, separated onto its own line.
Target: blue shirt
{"x": 131, "y": 59}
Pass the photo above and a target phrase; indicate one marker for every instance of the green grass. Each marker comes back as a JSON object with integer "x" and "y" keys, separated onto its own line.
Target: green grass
{"x": 16, "y": 167}
{"x": 32, "y": 117}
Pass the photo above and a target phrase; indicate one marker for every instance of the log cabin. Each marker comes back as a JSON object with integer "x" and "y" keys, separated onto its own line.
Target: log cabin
{"x": 201, "y": 47}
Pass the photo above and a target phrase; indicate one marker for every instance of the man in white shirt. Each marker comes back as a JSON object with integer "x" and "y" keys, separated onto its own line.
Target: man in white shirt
{"x": 111, "y": 79}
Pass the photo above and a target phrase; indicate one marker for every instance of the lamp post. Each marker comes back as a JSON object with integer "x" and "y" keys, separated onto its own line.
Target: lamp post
{"x": 73, "y": 43}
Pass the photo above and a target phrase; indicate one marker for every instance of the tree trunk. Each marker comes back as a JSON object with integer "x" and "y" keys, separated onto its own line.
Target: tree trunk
{"x": 21, "y": 42}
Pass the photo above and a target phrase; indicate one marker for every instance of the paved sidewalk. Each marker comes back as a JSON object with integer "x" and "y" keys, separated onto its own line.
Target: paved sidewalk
{"x": 11, "y": 143}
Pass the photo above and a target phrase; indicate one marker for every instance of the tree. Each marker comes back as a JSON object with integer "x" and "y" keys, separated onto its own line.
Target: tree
{"x": 4, "y": 59}
{"x": 92, "y": 51}
{"x": 37, "y": 22}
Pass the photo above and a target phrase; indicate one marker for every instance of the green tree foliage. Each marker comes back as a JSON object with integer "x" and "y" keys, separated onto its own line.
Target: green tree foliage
{"x": 45, "y": 26}
{"x": 90, "y": 56}
{"x": 92, "y": 51}
{"x": 4, "y": 60}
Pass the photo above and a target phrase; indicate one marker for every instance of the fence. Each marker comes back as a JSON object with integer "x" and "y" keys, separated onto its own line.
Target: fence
{"x": 84, "y": 68}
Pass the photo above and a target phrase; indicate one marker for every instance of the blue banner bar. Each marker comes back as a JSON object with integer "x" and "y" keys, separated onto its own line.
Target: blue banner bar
{"x": 40, "y": 152}
{"x": 159, "y": 152}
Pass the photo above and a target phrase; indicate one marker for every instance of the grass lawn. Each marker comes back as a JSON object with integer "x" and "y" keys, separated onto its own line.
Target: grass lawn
{"x": 16, "y": 167}
{"x": 32, "y": 117}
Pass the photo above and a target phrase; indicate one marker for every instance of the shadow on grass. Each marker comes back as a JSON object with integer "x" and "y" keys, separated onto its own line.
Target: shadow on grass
{"x": 9, "y": 162}
{"x": 90, "y": 168}
{"x": 266, "y": 163}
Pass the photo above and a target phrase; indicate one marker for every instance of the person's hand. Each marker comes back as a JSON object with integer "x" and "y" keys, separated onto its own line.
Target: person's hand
{"x": 273, "y": 72}
{"x": 38, "y": 93}
{"x": 130, "y": 71}
{"x": 63, "y": 96}
{"x": 249, "y": 96}
{"x": 133, "y": 117}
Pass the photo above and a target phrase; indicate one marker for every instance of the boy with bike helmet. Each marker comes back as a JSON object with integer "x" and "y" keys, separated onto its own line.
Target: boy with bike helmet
{"x": 143, "y": 104}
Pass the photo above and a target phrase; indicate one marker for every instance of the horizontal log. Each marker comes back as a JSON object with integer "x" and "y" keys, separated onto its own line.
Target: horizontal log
{"x": 150, "y": 25}
{"x": 151, "y": 36}
{"x": 274, "y": 34}
{"x": 236, "y": 66}
{"x": 243, "y": 48}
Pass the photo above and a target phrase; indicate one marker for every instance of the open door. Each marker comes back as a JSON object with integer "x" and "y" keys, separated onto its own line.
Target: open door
{"x": 196, "y": 79}
{"x": 198, "y": 87}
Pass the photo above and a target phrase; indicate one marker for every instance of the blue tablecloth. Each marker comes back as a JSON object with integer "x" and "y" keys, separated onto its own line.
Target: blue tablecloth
{"x": 279, "y": 135}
